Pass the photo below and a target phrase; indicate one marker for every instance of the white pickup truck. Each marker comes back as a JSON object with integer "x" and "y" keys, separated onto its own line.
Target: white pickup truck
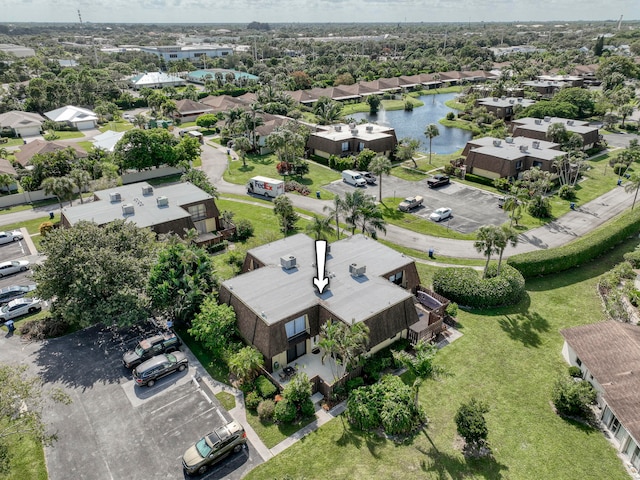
{"x": 410, "y": 203}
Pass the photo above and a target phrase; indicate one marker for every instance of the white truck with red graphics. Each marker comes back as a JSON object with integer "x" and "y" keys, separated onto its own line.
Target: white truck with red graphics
{"x": 268, "y": 187}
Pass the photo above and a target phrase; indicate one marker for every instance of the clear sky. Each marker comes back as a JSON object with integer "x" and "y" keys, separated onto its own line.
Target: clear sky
{"x": 314, "y": 11}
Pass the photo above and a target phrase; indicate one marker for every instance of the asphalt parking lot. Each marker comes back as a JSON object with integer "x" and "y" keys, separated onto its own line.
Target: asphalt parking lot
{"x": 472, "y": 207}
{"x": 114, "y": 429}
{"x": 15, "y": 251}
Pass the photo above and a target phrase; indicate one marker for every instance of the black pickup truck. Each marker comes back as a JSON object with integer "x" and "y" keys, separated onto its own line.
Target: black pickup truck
{"x": 438, "y": 180}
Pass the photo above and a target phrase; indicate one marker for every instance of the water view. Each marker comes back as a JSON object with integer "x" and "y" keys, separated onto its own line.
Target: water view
{"x": 412, "y": 124}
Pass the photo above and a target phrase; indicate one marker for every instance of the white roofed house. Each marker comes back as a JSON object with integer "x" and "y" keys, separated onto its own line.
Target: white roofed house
{"x": 156, "y": 80}
{"x": 21, "y": 124}
{"x": 76, "y": 117}
{"x": 107, "y": 140}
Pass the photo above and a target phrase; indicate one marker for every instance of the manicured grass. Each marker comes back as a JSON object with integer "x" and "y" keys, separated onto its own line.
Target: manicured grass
{"x": 86, "y": 145}
{"x": 417, "y": 224}
{"x": 410, "y": 252}
{"x": 32, "y": 226}
{"x": 266, "y": 166}
{"x": 455, "y": 105}
{"x": 118, "y": 126}
{"x": 227, "y": 400}
{"x": 214, "y": 366}
{"x": 12, "y": 142}
{"x": 272, "y": 434}
{"x": 508, "y": 357}
{"x": 26, "y": 459}
{"x": 16, "y": 208}
{"x": 67, "y": 135}
{"x": 399, "y": 104}
{"x": 461, "y": 124}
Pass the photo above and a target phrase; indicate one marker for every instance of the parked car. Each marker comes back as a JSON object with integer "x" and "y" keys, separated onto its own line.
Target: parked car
{"x": 15, "y": 291}
{"x": 440, "y": 214}
{"x": 410, "y": 203}
{"x": 147, "y": 348}
{"x": 438, "y": 180}
{"x": 159, "y": 366}
{"x": 19, "y": 307}
{"x": 14, "y": 266}
{"x": 214, "y": 447}
{"x": 368, "y": 177}
{"x": 9, "y": 237}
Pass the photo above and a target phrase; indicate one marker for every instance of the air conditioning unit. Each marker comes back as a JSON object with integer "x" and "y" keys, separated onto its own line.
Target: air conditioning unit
{"x": 512, "y": 101}
{"x": 538, "y": 121}
{"x": 497, "y": 143}
{"x": 162, "y": 201}
{"x": 519, "y": 99}
{"x": 357, "y": 270}
{"x": 535, "y": 144}
{"x": 352, "y": 125}
{"x": 288, "y": 262}
{"x": 115, "y": 197}
{"x": 369, "y": 128}
{"x": 354, "y": 131}
{"x": 509, "y": 139}
{"x": 523, "y": 148}
{"x": 127, "y": 209}
{"x": 147, "y": 190}
{"x": 338, "y": 128}
{"x": 495, "y": 99}
{"x": 570, "y": 122}
{"x": 547, "y": 119}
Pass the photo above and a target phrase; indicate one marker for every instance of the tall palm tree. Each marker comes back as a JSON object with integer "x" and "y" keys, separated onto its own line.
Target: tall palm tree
{"x": 353, "y": 202}
{"x": 486, "y": 243}
{"x": 4, "y": 153}
{"x": 335, "y": 210}
{"x": 431, "y": 132}
{"x": 81, "y": 179}
{"x": 420, "y": 365}
{"x": 6, "y": 181}
{"x": 254, "y": 109}
{"x": 513, "y": 206}
{"x": 319, "y": 227}
{"x": 507, "y": 236}
{"x": 633, "y": 185}
{"x": 379, "y": 165}
{"x": 61, "y": 187}
{"x": 371, "y": 218}
{"x": 242, "y": 145}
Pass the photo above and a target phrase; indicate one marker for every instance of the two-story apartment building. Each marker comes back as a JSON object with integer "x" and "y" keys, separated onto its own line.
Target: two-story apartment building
{"x": 344, "y": 140}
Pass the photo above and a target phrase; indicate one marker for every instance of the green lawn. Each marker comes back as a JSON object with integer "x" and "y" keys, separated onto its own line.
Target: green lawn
{"x": 418, "y": 224}
{"x": 272, "y": 434}
{"x": 26, "y": 459}
{"x": 117, "y": 126}
{"x": 227, "y": 400}
{"x": 265, "y": 165}
{"x": 86, "y": 145}
{"x": 509, "y": 358}
{"x": 410, "y": 252}
{"x": 12, "y": 142}
{"x": 66, "y": 135}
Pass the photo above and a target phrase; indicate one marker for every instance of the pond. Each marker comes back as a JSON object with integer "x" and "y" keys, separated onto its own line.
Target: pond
{"x": 412, "y": 124}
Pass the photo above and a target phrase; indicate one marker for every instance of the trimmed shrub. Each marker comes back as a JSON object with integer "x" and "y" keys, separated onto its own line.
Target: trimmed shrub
{"x": 450, "y": 116}
{"x": 285, "y": 411}
{"x": 502, "y": 184}
{"x": 244, "y": 229}
{"x": 575, "y": 372}
{"x": 478, "y": 179}
{"x": 590, "y": 246}
{"x": 252, "y": 400}
{"x": 572, "y": 397}
{"x": 466, "y": 286}
{"x": 307, "y": 409}
{"x": 539, "y": 207}
{"x": 266, "y": 409}
{"x": 452, "y": 309}
{"x": 265, "y": 387}
{"x": 567, "y": 192}
{"x": 619, "y": 168}
{"x": 45, "y": 228}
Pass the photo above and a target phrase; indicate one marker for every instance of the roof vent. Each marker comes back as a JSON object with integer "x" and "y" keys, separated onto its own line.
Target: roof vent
{"x": 547, "y": 119}
{"x": 509, "y": 139}
{"x": 495, "y": 99}
{"x": 357, "y": 270}
{"x": 163, "y": 201}
{"x": 497, "y": 143}
{"x": 115, "y": 197}
{"x": 523, "y": 148}
{"x": 338, "y": 128}
{"x": 369, "y": 128}
{"x": 127, "y": 209}
{"x": 520, "y": 99}
{"x": 538, "y": 121}
{"x": 535, "y": 144}
{"x": 288, "y": 262}
{"x": 147, "y": 190}
{"x": 512, "y": 101}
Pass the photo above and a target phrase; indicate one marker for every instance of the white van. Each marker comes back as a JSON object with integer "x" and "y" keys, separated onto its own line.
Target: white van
{"x": 353, "y": 178}
{"x": 268, "y": 187}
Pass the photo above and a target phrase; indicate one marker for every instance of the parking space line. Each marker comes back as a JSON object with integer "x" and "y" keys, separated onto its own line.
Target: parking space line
{"x": 170, "y": 403}
{"x": 168, "y": 432}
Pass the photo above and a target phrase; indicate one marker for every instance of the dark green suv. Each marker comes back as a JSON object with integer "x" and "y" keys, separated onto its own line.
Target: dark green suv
{"x": 150, "y": 347}
{"x": 214, "y": 447}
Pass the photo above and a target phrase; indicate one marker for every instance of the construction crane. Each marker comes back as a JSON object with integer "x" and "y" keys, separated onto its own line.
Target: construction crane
{"x": 620, "y": 22}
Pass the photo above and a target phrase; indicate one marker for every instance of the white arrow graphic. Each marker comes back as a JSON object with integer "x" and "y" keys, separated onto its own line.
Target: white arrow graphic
{"x": 321, "y": 251}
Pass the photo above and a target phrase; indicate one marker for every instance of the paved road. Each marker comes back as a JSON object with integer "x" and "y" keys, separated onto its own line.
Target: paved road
{"x": 568, "y": 227}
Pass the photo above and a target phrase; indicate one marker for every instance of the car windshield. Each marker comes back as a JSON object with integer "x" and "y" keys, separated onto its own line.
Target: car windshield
{"x": 139, "y": 351}
{"x": 203, "y": 447}
{"x": 171, "y": 358}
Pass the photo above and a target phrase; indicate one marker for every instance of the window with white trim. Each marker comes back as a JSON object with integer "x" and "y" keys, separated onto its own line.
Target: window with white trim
{"x": 345, "y": 146}
{"x": 296, "y": 327}
{"x": 198, "y": 212}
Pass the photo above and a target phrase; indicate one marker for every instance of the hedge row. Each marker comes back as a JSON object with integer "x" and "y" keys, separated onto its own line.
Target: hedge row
{"x": 478, "y": 179}
{"x": 590, "y": 246}
{"x": 466, "y": 286}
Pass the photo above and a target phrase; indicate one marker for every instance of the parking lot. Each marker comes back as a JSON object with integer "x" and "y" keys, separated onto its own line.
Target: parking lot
{"x": 114, "y": 429}
{"x": 472, "y": 207}
{"x": 16, "y": 251}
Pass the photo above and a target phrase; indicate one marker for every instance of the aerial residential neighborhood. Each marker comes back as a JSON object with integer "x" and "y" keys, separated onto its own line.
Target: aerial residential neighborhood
{"x": 282, "y": 247}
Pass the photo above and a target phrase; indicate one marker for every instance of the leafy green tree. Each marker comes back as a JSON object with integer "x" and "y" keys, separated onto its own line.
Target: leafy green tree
{"x": 61, "y": 187}
{"x": 633, "y": 185}
{"x": 420, "y": 365}
{"x": 580, "y": 97}
{"x": 81, "y": 179}
{"x": 287, "y": 217}
{"x": 180, "y": 280}
{"x": 144, "y": 149}
{"x": 207, "y": 120}
{"x": 471, "y": 424}
{"x": 6, "y": 181}
{"x": 187, "y": 150}
{"x": 320, "y": 227}
{"x": 485, "y": 243}
{"x": 246, "y": 363}
{"x": 96, "y": 274}
{"x": 23, "y": 401}
{"x": 53, "y": 164}
{"x": 379, "y": 165}
{"x": 573, "y": 398}
{"x": 334, "y": 211}
{"x": 431, "y": 132}
{"x": 364, "y": 159}
{"x": 374, "y": 104}
{"x": 406, "y": 149}
{"x": 214, "y": 326}
{"x": 200, "y": 180}
{"x": 242, "y": 145}
{"x": 346, "y": 344}
{"x": 625, "y": 111}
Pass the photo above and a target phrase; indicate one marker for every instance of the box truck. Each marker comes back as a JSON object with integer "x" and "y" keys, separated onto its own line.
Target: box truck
{"x": 353, "y": 178}
{"x": 265, "y": 186}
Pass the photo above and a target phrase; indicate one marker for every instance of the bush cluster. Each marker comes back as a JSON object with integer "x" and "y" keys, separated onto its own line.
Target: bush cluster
{"x": 466, "y": 286}
{"x": 265, "y": 388}
{"x": 478, "y": 179}
{"x": 590, "y": 246}
{"x": 293, "y": 186}
{"x": 573, "y": 397}
{"x": 567, "y": 192}
{"x": 266, "y": 409}
{"x": 633, "y": 258}
{"x": 338, "y": 163}
{"x": 244, "y": 229}
{"x": 252, "y": 400}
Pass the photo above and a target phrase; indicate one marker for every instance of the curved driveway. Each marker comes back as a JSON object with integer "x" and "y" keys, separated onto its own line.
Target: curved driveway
{"x": 568, "y": 227}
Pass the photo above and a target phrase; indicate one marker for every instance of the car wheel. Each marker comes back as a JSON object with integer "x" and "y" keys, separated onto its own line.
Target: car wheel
{"x": 237, "y": 448}
{"x": 33, "y": 310}
{"x": 151, "y": 383}
{"x": 23, "y": 269}
{"x": 202, "y": 469}
{"x": 182, "y": 367}
{"x": 15, "y": 239}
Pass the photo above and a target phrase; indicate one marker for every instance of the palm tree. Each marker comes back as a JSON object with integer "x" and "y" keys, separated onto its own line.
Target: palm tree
{"x": 256, "y": 121}
{"x": 246, "y": 363}
{"x": 420, "y": 365}
{"x": 513, "y": 206}
{"x": 379, "y": 165}
{"x": 4, "y": 153}
{"x": 81, "y": 179}
{"x": 6, "y": 181}
{"x": 343, "y": 343}
{"x": 353, "y": 201}
{"x": 431, "y": 131}
{"x": 61, "y": 187}
{"x": 319, "y": 227}
{"x": 633, "y": 185}
{"x": 335, "y": 211}
{"x": 507, "y": 236}
{"x": 486, "y": 243}
{"x": 242, "y": 145}
{"x": 139, "y": 120}
{"x": 371, "y": 218}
